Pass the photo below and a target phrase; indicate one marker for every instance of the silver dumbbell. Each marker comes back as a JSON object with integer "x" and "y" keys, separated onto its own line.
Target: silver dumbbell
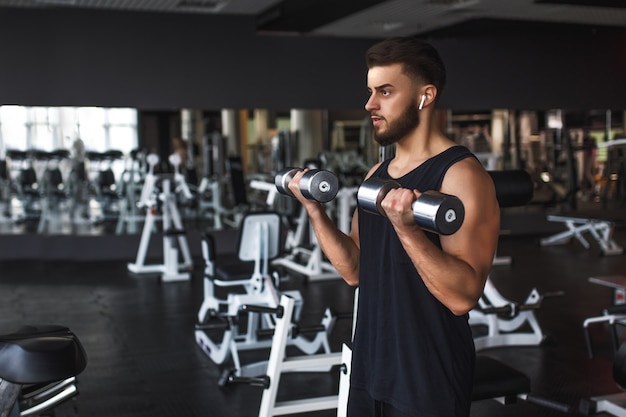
{"x": 316, "y": 184}
{"x": 433, "y": 211}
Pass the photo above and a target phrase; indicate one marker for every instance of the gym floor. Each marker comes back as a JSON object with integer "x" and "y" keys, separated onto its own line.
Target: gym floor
{"x": 143, "y": 359}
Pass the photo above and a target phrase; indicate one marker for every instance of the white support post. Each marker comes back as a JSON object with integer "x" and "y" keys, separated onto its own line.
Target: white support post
{"x": 278, "y": 363}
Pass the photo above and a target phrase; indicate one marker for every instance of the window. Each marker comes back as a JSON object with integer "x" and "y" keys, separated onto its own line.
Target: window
{"x": 49, "y": 128}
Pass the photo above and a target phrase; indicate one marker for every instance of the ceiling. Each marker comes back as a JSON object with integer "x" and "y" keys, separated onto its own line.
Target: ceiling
{"x": 374, "y": 18}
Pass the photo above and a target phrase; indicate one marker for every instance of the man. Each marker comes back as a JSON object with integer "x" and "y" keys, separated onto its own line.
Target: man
{"x": 413, "y": 351}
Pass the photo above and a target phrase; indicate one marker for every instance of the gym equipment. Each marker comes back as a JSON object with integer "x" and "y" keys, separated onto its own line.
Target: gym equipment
{"x": 212, "y": 190}
{"x": 493, "y": 380}
{"x": 306, "y": 260}
{"x": 54, "y": 193}
{"x": 5, "y": 192}
{"x": 614, "y": 186}
{"x": 173, "y": 231}
{"x": 279, "y": 363}
{"x": 303, "y": 259}
{"x": 600, "y": 230}
{"x": 613, "y": 315}
{"x": 105, "y": 206}
{"x": 221, "y": 317}
{"x": 26, "y": 205}
{"x": 316, "y": 184}
{"x": 509, "y": 323}
{"x": 346, "y": 202}
{"x": 433, "y": 211}
{"x": 131, "y": 184}
{"x": 513, "y": 188}
{"x": 78, "y": 192}
{"x": 38, "y": 368}
{"x": 613, "y": 404}
{"x": 498, "y": 381}
{"x": 268, "y": 187}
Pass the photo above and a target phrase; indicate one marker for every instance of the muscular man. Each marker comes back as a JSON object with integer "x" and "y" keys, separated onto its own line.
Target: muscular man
{"x": 413, "y": 351}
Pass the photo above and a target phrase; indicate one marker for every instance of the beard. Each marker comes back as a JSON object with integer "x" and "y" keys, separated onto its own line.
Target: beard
{"x": 398, "y": 129}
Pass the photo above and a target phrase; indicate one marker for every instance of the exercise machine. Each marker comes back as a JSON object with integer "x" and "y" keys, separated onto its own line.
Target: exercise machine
{"x": 26, "y": 201}
{"x": 279, "y": 363}
{"x": 613, "y": 184}
{"x": 613, "y": 404}
{"x": 5, "y": 192}
{"x": 130, "y": 188}
{"x": 248, "y": 282}
{"x": 613, "y": 315}
{"x": 508, "y": 323}
{"x": 53, "y": 191}
{"x": 305, "y": 260}
{"x": 159, "y": 195}
{"x": 105, "y": 204}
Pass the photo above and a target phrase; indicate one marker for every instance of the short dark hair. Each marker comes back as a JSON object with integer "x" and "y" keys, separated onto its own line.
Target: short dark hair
{"x": 419, "y": 59}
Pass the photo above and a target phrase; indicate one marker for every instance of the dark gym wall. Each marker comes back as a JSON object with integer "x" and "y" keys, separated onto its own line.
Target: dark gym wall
{"x": 164, "y": 61}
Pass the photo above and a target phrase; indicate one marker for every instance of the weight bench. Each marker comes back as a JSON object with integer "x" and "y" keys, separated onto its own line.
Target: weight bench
{"x": 495, "y": 380}
{"x": 600, "y": 230}
{"x": 38, "y": 368}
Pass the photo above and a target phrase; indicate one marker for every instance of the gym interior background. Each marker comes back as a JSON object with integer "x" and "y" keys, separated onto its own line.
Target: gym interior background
{"x": 92, "y": 102}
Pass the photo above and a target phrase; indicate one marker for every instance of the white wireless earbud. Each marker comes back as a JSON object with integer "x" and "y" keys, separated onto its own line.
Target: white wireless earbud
{"x": 421, "y": 106}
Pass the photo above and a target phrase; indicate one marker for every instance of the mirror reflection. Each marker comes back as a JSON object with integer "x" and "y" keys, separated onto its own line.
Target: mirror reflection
{"x": 93, "y": 170}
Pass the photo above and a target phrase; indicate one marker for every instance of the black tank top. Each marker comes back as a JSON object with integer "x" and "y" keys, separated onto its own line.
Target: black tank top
{"x": 409, "y": 349}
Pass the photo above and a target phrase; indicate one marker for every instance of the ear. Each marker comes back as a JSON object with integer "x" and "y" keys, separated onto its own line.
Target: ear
{"x": 427, "y": 96}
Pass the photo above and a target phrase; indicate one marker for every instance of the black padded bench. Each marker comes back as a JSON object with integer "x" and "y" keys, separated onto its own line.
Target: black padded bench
{"x": 494, "y": 379}
{"x": 38, "y": 366}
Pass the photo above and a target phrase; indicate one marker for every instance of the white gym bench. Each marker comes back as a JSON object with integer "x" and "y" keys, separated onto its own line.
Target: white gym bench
{"x": 259, "y": 242}
{"x": 600, "y": 230}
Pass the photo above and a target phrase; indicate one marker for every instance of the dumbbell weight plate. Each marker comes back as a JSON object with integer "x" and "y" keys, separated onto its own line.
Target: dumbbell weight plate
{"x": 433, "y": 211}
{"x": 282, "y": 178}
{"x": 319, "y": 185}
{"x": 372, "y": 192}
{"x": 439, "y": 213}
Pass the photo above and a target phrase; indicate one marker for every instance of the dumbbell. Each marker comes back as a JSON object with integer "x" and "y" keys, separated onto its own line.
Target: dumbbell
{"x": 433, "y": 211}
{"x": 316, "y": 184}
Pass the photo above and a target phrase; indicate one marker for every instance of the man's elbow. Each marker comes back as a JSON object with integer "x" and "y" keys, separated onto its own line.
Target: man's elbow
{"x": 463, "y": 306}
{"x": 351, "y": 280}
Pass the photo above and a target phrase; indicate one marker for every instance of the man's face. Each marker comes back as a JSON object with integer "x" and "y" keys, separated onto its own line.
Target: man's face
{"x": 392, "y": 104}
